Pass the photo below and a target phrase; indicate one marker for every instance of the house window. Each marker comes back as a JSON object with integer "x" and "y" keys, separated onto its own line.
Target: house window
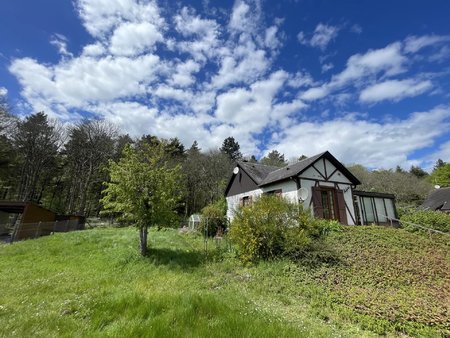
{"x": 329, "y": 204}
{"x": 246, "y": 201}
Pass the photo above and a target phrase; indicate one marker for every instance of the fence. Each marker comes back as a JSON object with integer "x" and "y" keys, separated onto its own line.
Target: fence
{"x": 35, "y": 230}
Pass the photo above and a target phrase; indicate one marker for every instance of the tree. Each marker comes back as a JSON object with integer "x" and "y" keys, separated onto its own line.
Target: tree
{"x": 231, "y": 148}
{"x": 418, "y": 172}
{"x": 253, "y": 159}
{"x": 439, "y": 163}
{"x": 441, "y": 175}
{"x": 37, "y": 141}
{"x": 407, "y": 188}
{"x": 274, "y": 158}
{"x": 303, "y": 157}
{"x": 91, "y": 145}
{"x": 142, "y": 189}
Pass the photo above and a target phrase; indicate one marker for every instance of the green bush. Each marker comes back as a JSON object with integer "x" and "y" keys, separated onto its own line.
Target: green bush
{"x": 427, "y": 218}
{"x": 272, "y": 227}
{"x": 213, "y": 218}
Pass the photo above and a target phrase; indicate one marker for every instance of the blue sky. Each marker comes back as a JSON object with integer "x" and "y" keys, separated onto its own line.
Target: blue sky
{"x": 367, "y": 80}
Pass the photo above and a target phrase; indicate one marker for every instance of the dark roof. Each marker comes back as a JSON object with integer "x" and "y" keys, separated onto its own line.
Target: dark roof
{"x": 290, "y": 170}
{"x": 266, "y": 174}
{"x": 439, "y": 199}
{"x": 257, "y": 172}
{"x": 297, "y": 168}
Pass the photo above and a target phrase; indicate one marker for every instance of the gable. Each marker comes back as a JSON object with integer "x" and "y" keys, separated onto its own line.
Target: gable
{"x": 324, "y": 170}
{"x": 240, "y": 183}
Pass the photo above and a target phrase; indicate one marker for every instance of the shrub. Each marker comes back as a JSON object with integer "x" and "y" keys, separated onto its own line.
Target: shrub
{"x": 214, "y": 218}
{"x": 272, "y": 227}
{"x": 427, "y": 218}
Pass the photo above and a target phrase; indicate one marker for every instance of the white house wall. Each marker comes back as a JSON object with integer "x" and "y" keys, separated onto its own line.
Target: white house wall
{"x": 288, "y": 189}
{"x": 233, "y": 202}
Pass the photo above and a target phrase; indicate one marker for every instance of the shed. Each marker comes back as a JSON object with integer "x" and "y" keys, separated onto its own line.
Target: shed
{"x": 194, "y": 221}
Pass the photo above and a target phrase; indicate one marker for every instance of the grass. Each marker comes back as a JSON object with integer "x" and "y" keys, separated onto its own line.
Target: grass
{"x": 94, "y": 283}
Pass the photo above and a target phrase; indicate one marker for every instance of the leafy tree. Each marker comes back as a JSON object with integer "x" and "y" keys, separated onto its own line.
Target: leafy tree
{"x": 274, "y": 158}
{"x": 418, "y": 172}
{"x": 36, "y": 141}
{"x": 143, "y": 189}
{"x": 303, "y": 157}
{"x": 441, "y": 175}
{"x": 439, "y": 163}
{"x": 231, "y": 147}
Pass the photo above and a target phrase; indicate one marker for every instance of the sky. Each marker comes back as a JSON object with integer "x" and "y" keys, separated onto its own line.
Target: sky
{"x": 368, "y": 81}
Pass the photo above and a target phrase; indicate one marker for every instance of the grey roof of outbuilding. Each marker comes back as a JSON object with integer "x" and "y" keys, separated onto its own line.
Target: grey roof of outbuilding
{"x": 439, "y": 199}
{"x": 264, "y": 174}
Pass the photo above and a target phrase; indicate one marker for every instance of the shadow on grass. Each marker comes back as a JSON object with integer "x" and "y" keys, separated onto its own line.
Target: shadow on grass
{"x": 177, "y": 259}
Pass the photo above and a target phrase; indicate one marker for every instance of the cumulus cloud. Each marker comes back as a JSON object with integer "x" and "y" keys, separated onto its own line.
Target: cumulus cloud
{"x": 3, "y": 91}
{"x": 321, "y": 37}
{"x": 206, "y": 76}
{"x": 134, "y": 38}
{"x": 374, "y": 144}
{"x": 394, "y": 90}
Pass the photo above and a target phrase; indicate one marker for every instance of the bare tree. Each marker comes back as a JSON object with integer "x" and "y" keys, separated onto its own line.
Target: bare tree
{"x": 87, "y": 152}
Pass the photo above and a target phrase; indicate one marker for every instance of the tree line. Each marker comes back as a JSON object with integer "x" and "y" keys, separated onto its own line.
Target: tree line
{"x": 64, "y": 168}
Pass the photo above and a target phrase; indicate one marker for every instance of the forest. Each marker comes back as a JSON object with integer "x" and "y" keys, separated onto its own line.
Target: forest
{"x": 64, "y": 166}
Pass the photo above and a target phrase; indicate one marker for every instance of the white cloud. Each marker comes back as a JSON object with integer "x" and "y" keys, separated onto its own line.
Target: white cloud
{"x": 415, "y": 43}
{"x": 60, "y": 42}
{"x": 95, "y": 49}
{"x": 387, "y": 61}
{"x": 101, "y": 17}
{"x": 315, "y": 93}
{"x": 373, "y": 144}
{"x": 326, "y": 67}
{"x": 322, "y": 36}
{"x": 85, "y": 79}
{"x": 134, "y": 38}
{"x": 3, "y": 91}
{"x": 394, "y": 90}
{"x": 183, "y": 76}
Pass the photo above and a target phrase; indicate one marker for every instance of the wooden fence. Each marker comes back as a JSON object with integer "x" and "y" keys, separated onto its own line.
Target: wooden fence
{"x": 35, "y": 230}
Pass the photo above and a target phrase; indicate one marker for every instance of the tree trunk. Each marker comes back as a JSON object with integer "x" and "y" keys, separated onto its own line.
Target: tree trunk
{"x": 143, "y": 231}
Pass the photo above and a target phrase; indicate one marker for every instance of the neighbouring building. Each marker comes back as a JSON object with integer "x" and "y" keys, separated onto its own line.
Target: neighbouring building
{"x": 438, "y": 200}
{"x": 320, "y": 183}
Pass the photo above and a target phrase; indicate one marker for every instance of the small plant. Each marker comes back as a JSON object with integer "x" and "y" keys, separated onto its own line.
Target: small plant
{"x": 272, "y": 227}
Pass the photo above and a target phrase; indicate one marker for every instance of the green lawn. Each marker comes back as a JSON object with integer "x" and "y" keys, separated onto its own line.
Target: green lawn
{"x": 93, "y": 283}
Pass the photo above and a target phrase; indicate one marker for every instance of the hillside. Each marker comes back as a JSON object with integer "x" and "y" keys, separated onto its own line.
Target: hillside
{"x": 362, "y": 281}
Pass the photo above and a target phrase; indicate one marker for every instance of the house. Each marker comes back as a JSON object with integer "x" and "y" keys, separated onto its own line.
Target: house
{"x": 320, "y": 183}
{"x": 438, "y": 200}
